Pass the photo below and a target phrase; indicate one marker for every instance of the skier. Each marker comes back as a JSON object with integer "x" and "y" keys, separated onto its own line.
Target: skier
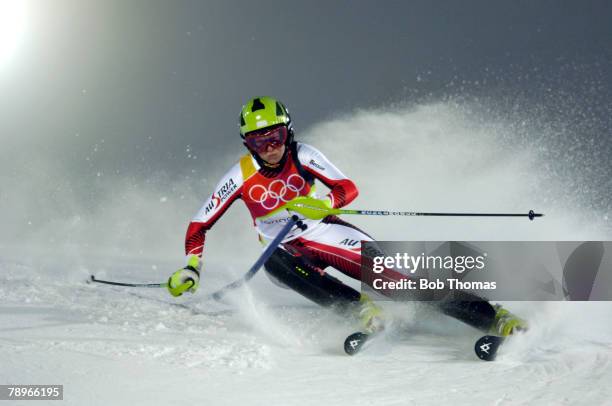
{"x": 276, "y": 170}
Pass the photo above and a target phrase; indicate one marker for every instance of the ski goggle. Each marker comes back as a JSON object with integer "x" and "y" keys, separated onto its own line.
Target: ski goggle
{"x": 259, "y": 141}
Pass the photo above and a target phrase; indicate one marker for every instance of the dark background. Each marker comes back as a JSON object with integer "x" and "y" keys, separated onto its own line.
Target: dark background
{"x": 128, "y": 86}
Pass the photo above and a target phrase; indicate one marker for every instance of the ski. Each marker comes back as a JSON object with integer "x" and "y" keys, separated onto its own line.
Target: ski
{"x": 356, "y": 341}
{"x": 486, "y": 347}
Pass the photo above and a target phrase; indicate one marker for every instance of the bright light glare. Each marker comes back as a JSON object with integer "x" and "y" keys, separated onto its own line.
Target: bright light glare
{"x": 12, "y": 27}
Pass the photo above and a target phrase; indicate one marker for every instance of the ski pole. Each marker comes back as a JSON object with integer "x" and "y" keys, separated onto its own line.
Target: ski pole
{"x": 294, "y": 220}
{"x": 317, "y": 210}
{"x": 531, "y": 214}
{"x": 133, "y": 285}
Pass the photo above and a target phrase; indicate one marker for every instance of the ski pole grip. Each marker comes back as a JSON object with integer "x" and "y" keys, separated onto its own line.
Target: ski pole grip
{"x": 184, "y": 287}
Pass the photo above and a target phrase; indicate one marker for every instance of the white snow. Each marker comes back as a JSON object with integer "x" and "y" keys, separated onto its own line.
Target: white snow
{"x": 117, "y": 346}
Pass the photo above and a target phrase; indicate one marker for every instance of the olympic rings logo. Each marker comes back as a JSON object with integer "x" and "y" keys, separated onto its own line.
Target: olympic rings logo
{"x": 277, "y": 191}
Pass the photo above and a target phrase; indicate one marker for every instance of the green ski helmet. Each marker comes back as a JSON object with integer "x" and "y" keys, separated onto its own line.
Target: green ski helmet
{"x": 263, "y": 112}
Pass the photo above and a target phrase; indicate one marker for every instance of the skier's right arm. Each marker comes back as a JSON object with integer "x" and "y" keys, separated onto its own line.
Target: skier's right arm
{"x": 226, "y": 192}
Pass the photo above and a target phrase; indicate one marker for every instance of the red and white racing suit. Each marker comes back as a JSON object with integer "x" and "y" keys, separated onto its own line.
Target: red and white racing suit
{"x": 327, "y": 242}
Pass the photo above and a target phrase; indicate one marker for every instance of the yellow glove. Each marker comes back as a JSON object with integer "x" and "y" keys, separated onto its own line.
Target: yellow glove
{"x": 185, "y": 279}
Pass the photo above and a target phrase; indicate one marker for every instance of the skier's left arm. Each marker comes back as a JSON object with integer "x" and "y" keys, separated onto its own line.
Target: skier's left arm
{"x": 342, "y": 189}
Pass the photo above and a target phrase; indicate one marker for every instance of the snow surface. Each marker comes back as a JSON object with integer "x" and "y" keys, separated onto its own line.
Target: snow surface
{"x": 266, "y": 346}
{"x": 110, "y": 345}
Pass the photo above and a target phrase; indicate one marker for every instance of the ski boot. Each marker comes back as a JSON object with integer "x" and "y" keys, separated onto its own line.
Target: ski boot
{"x": 506, "y": 323}
{"x": 370, "y": 315}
